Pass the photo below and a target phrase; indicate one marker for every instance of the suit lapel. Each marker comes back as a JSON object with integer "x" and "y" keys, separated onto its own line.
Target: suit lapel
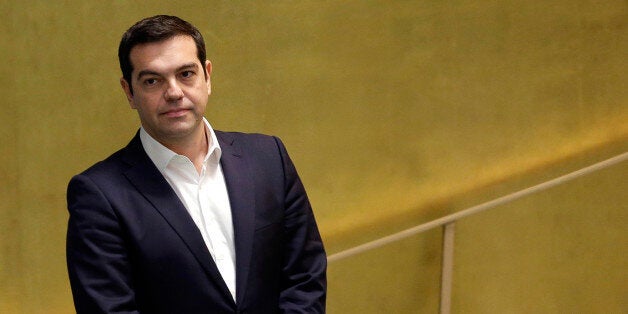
{"x": 241, "y": 191}
{"x": 148, "y": 180}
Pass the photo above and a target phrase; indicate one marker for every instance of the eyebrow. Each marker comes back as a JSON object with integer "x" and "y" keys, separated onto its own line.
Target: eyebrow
{"x": 186, "y": 66}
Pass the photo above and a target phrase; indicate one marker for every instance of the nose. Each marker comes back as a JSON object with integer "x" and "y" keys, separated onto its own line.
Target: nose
{"x": 173, "y": 91}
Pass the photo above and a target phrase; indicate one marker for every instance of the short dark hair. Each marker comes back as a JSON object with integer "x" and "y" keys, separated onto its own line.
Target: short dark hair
{"x": 155, "y": 29}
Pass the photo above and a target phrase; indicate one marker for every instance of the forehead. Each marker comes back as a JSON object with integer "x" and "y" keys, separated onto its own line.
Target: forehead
{"x": 164, "y": 55}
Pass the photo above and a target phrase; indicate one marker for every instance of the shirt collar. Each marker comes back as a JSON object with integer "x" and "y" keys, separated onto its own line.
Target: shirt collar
{"x": 161, "y": 155}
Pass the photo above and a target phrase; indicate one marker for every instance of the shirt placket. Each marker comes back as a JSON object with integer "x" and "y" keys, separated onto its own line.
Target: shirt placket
{"x": 219, "y": 247}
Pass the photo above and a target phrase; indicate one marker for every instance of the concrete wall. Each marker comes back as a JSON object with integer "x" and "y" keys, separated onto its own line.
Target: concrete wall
{"x": 395, "y": 112}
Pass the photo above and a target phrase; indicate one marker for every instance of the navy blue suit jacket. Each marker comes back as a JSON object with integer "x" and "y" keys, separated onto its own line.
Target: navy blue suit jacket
{"x": 133, "y": 248}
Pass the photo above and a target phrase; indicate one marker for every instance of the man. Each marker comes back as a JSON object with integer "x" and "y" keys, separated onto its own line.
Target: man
{"x": 186, "y": 219}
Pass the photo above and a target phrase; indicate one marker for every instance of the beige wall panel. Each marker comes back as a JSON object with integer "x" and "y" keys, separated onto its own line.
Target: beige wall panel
{"x": 560, "y": 251}
{"x": 399, "y": 278}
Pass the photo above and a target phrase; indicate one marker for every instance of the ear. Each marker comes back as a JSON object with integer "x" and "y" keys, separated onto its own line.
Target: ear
{"x": 127, "y": 91}
{"x": 208, "y": 72}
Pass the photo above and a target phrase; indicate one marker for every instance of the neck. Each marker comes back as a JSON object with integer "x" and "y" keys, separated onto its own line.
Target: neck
{"x": 193, "y": 147}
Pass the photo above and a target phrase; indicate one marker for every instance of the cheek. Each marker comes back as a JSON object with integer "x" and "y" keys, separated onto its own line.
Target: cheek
{"x": 146, "y": 106}
{"x": 199, "y": 98}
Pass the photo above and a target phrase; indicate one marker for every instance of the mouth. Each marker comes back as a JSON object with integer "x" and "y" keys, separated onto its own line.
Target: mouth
{"x": 175, "y": 113}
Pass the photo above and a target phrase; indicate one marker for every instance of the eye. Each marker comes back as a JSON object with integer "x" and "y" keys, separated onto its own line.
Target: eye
{"x": 150, "y": 81}
{"x": 187, "y": 74}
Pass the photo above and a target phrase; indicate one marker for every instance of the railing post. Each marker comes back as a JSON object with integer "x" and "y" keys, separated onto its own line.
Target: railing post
{"x": 447, "y": 267}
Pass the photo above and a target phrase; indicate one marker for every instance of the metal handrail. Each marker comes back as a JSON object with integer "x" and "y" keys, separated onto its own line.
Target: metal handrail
{"x": 476, "y": 209}
{"x": 448, "y": 224}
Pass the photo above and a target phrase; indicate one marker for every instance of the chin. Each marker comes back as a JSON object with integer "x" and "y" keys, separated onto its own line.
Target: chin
{"x": 181, "y": 131}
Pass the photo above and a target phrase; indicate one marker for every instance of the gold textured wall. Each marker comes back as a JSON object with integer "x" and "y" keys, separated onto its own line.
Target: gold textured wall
{"x": 395, "y": 112}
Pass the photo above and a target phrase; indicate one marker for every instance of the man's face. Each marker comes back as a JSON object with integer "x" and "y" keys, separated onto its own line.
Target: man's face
{"x": 170, "y": 88}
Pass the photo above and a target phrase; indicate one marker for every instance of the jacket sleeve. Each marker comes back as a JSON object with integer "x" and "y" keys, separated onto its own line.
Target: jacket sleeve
{"x": 98, "y": 262}
{"x": 304, "y": 282}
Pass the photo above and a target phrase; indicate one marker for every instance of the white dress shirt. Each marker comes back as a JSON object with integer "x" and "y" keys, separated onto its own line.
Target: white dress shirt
{"x": 204, "y": 196}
